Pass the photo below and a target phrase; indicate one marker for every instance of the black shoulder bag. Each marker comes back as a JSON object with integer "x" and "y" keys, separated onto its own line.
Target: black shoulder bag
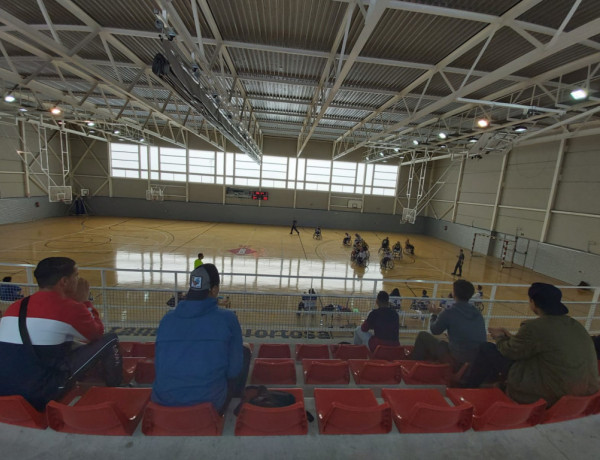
{"x": 23, "y": 329}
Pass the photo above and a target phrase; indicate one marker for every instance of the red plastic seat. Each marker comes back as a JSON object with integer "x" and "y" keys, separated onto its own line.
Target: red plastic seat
{"x": 143, "y": 349}
{"x": 129, "y": 365}
{"x": 15, "y": 410}
{"x": 493, "y": 410}
{"x": 325, "y": 371}
{"x": 125, "y": 348}
{"x": 102, "y": 410}
{"x": 306, "y": 351}
{"x": 423, "y": 373}
{"x": 346, "y": 351}
{"x": 569, "y": 407}
{"x": 351, "y": 411}
{"x": 198, "y": 420}
{"x": 274, "y": 350}
{"x": 281, "y": 371}
{"x": 145, "y": 372}
{"x": 389, "y": 353}
{"x": 375, "y": 371}
{"x": 273, "y": 421}
{"x": 426, "y": 411}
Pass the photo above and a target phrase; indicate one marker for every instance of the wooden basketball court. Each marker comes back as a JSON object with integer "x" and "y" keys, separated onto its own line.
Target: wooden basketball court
{"x": 153, "y": 244}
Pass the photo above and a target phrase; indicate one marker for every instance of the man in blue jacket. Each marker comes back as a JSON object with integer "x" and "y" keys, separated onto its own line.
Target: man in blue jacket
{"x": 200, "y": 356}
{"x": 465, "y": 327}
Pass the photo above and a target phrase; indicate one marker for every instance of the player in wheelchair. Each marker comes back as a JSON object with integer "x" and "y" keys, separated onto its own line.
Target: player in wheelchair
{"x": 409, "y": 248}
{"x": 385, "y": 244}
{"x": 347, "y": 241}
{"x": 317, "y": 235}
{"x": 397, "y": 250}
{"x": 387, "y": 261}
{"x": 362, "y": 257}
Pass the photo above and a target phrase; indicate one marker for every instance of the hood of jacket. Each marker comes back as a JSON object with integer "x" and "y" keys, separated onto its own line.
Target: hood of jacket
{"x": 195, "y": 308}
{"x": 469, "y": 311}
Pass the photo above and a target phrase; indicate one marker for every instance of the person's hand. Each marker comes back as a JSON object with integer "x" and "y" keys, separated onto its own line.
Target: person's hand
{"x": 433, "y": 309}
{"x": 497, "y": 332}
{"x": 82, "y": 291}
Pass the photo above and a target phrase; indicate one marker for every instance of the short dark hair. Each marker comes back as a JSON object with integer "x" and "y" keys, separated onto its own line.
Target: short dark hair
{"x": 383, "y": 299}
{"x": 7, "y": 279}
{"x": 50, "y": 270}
{"x": 200, "y": 255}
{"x": 463, "y": 290}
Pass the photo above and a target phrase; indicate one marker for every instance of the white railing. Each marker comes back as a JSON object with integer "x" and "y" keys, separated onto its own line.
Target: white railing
{"x": 265, "y": 302}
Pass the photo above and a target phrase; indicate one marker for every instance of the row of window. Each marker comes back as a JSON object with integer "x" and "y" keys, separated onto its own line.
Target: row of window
{"x": 174, "y": 164}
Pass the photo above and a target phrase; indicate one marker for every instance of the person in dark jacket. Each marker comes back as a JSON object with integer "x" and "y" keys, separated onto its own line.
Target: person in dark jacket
{"x": 465, "y": 327}
{"x": 200, "y": 356}
{"x": 9, "y": 292}
{"x": 385, "y": 323}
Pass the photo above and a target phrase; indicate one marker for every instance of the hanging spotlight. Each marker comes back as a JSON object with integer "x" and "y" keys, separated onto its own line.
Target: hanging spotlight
{"x": 91, "y": 131}
{"x": 22, "y": 109}
{"x": 415, "y": 142}
{"x": 141, "y": 139}
{"x": 483, "y": 123}
{"x": 472, "y": 140}
{"x": 116, "y": 131}
{"x": 9, "y": 97}
{"x": 579, "y": 94}
{"x": 519, "y": 128}
{"x": 55, "y": 111}
{"x": 442, "y": 135}
{"x": 443, "y": 146}
{"x": 90, "y": 123}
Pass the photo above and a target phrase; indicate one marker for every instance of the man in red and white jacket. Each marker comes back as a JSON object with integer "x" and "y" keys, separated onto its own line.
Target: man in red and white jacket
{"x": 59, "y": 318}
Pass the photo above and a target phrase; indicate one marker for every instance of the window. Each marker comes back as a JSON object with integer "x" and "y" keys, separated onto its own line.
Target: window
{"x": 126, "y": 160}
{"x": 210, "y": 167}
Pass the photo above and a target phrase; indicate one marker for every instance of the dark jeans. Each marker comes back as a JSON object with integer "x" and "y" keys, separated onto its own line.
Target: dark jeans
{"x": 235, "y": 386}
{"x": 489, "y": 366}
{"x": 458, "y": 267}
{"x": 428, "y": 348}
{"x": 105, "y": 352}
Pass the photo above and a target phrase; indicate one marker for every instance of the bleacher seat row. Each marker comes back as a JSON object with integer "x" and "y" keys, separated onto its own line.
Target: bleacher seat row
{"x": 118, "y": 411}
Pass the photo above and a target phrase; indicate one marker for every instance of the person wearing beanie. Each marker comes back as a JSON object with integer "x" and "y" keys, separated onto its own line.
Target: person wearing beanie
{"x": 200, "y": 356}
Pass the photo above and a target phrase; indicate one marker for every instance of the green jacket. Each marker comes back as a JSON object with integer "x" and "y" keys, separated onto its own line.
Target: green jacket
{"x": 554, "y": 356}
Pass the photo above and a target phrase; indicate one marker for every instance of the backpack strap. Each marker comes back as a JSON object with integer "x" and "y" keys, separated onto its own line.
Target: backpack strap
{"x": 23, "y": 328}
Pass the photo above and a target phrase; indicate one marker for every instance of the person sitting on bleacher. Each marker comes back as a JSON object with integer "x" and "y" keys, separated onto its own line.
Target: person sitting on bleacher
{"x": 385, "y": 323}
{"x": 200, "y": 356}
{"x": 39, "y": 359}
{"x": 465, "y": 327}
{"x": 549, "y": 357}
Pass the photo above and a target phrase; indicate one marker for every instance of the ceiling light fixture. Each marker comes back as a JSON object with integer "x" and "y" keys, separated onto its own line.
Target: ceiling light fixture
{"x": 22, "y": 109}
{"x": 55, "y": 111}
{"x": 442, "y": 135}
{"x": 415, "y": 142}
{"x": 579, "y": 94}
{"x": 472, "y": 140}
{"x": 483, "y": 123}
{"x": 116, "y": 131}
{"x": 90, "y": 123}
{"x": 9, "y": 97}
{"x": 519, "y": 128}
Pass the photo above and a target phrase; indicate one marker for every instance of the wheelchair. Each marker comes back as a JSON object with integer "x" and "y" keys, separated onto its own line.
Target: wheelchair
{"x": 317, "y": 235}
{"x": 386, "y": 263}
{"x": 362, "y": 262}
{"x": 397, "y": 253}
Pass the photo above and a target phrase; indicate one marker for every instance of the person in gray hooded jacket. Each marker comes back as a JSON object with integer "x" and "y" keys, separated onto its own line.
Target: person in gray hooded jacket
{"x": 465, "y": 326}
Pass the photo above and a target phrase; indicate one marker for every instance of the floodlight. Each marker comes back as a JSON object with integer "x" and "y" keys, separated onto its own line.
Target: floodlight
{"x": 9, "y": 97}
{"x": 483, "y": 123}
{"x": 579, "y": 94}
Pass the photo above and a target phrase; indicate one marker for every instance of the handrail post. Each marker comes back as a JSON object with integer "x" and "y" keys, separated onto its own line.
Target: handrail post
{"x": 592, "y": 312}
{"x": 488, "y": 315}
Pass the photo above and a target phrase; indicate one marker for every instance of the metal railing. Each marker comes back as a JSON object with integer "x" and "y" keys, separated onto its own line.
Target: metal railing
{"x": 268, "y": 305}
